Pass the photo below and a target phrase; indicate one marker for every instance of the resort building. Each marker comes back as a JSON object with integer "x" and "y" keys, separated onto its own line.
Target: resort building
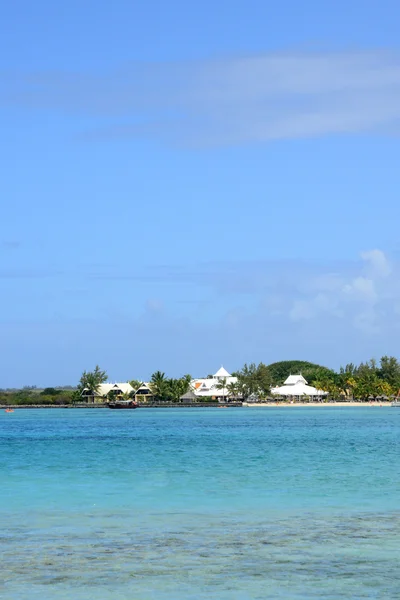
{"x": 144, "y": 393}
{"x": 296, "y": 385}
{"x": 105, "y": 391}
{"x": 219, "y": 386}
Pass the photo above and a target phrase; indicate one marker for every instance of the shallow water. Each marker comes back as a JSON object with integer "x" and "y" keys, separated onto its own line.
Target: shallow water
{"x": 200, "y": 503}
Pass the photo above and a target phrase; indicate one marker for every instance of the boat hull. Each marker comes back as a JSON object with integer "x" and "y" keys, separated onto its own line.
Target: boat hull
{"x": 120, "y": 406}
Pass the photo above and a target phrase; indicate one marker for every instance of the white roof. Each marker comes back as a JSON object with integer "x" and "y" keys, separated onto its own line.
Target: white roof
{"x": 298, "y": 389}
{"x": 222, "y": 373}
{"x": 126, "y": 387}
{"x": 212, "y": 391}
{"x": 105, "y": 388}
{"x": 293, "y": 379}
{"x": 208, "y": 387}
{"x": 144, "y": 386}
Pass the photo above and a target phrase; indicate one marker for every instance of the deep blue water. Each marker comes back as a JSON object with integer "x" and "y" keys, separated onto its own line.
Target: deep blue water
{"x": 200, "y": 503}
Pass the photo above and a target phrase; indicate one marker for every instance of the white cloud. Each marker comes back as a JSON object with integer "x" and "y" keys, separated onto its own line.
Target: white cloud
{"x": 315, "y": 306}
{"x": 299, "y": 95}
{"x": 362, "y": 289}
{"x": 302, "y": 309}
{"x": 235, "y": 101}
{"x": 378, "y": 263}
{"x": 368, "y": 299}
{"x": 154, "y": 305}
{"x": 367, "y": 321}
{"x": 362, "y": 295}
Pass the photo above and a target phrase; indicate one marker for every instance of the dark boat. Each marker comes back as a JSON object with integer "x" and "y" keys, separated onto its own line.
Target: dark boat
{"x": 123, "y": 404}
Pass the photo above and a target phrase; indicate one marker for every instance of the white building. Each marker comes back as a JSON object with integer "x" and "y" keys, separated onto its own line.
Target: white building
{"x": 296, "y": 385}
{"x": 207, "y": 387}
{"x": 100, "y": 395}
{"x": 144, "y": 392}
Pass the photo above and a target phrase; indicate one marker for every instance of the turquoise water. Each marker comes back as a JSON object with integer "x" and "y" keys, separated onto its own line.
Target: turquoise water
{"x": 200, "y": 503}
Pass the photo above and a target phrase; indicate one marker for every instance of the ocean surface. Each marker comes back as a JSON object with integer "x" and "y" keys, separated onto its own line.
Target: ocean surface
{"x": 173, "y": 504}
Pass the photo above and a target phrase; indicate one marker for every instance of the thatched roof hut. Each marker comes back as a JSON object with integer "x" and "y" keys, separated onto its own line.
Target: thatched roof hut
{"x": 188, "y": 397}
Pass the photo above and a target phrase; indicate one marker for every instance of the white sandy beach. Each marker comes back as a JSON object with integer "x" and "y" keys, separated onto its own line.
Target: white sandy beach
{"x": 315, "y": 404}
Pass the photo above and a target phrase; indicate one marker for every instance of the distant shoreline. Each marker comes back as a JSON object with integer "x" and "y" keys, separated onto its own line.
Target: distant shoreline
{"x": 315, "y": 404}
{"x": 352, "y": 404}
{"x": 104, "y": 405}
{"x": 28, "y": 406}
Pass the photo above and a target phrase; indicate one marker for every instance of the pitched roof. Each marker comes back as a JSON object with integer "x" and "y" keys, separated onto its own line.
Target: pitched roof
{"x": 208, "y": 387}
{"x": 143, "y": 386}
{"x": 293, "y": 379}
{"x": 189, "y": 395}
{"x": 124, "y": 387}
{"x": 105, "y": 388}
{"x": 298, "y": 389}
{"x": 222, "y": 373}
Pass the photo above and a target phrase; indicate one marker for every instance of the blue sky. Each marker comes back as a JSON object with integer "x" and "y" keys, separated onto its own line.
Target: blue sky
{"x": 189, "y": 186}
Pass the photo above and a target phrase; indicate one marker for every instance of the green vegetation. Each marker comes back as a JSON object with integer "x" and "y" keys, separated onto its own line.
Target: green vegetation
{"x": 254, "y": 381}
{"x": 32, "y": 397}
{"x": 135, "y": 383}
{"x": 365, "y": 381}
{"x": 91, "y": 380}
{"x": 168, "y": 390}
{"x": 279, "y": 371}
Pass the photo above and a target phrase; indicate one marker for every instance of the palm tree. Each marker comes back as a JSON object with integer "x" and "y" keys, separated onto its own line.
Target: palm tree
{"x": 135, "y": 383}
{"x": 188, "y": 379}
{"x": 233, "y": 389}
{"x": 221, "y": 385}
{"x": 92, "y": 380}
{"x": 158, "y": 385}
{"x": 184, "y": 384}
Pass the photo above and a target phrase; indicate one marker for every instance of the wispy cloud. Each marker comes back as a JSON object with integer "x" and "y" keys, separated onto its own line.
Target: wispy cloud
{"x": 236, "y": 312}
{"x": 10, "y": 244}
{"x": 364, "y": 293}
{"x": 366, "y": 297}
{"x": 235, "y": 101}
{"x": 29, "y": 273}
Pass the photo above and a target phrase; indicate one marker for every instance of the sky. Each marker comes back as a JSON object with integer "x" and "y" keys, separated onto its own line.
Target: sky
{"x": 190, "y": 185}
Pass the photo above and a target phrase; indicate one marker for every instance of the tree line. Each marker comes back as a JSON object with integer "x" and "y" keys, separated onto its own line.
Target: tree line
{"x": 368, "y": 380}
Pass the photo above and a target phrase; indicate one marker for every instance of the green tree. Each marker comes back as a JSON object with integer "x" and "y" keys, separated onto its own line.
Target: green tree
{"x": 221, "y": 385}
{"x": 389, "y": 371}
{"x": 186, "y": 380}
{"x": 76, "y": 396}
{"x": 248, "y": 380}
{"x": 350, "y": 369}
{"x": 264, "y": 380}
{"x": 279, "y": 371}
{"x": 328, "y": 384}
{"x": 367, "y": 369}
{"x": 135, "y": 383}
{"x": 159, "y": 386}
{"x": 346, "y": 380}
{"x": 254, "y": 380}
{"x": 233, "y": 389}
{"x": 370, "y": 385}
{"x": 177, "y": 388}
{"x": 50, "y": 391}
{"x": 113, "y": 395}
{"x": 92, "y": 380}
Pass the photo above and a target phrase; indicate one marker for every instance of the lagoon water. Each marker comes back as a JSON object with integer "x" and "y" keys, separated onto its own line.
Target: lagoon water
{"x": 173, "y": 504}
